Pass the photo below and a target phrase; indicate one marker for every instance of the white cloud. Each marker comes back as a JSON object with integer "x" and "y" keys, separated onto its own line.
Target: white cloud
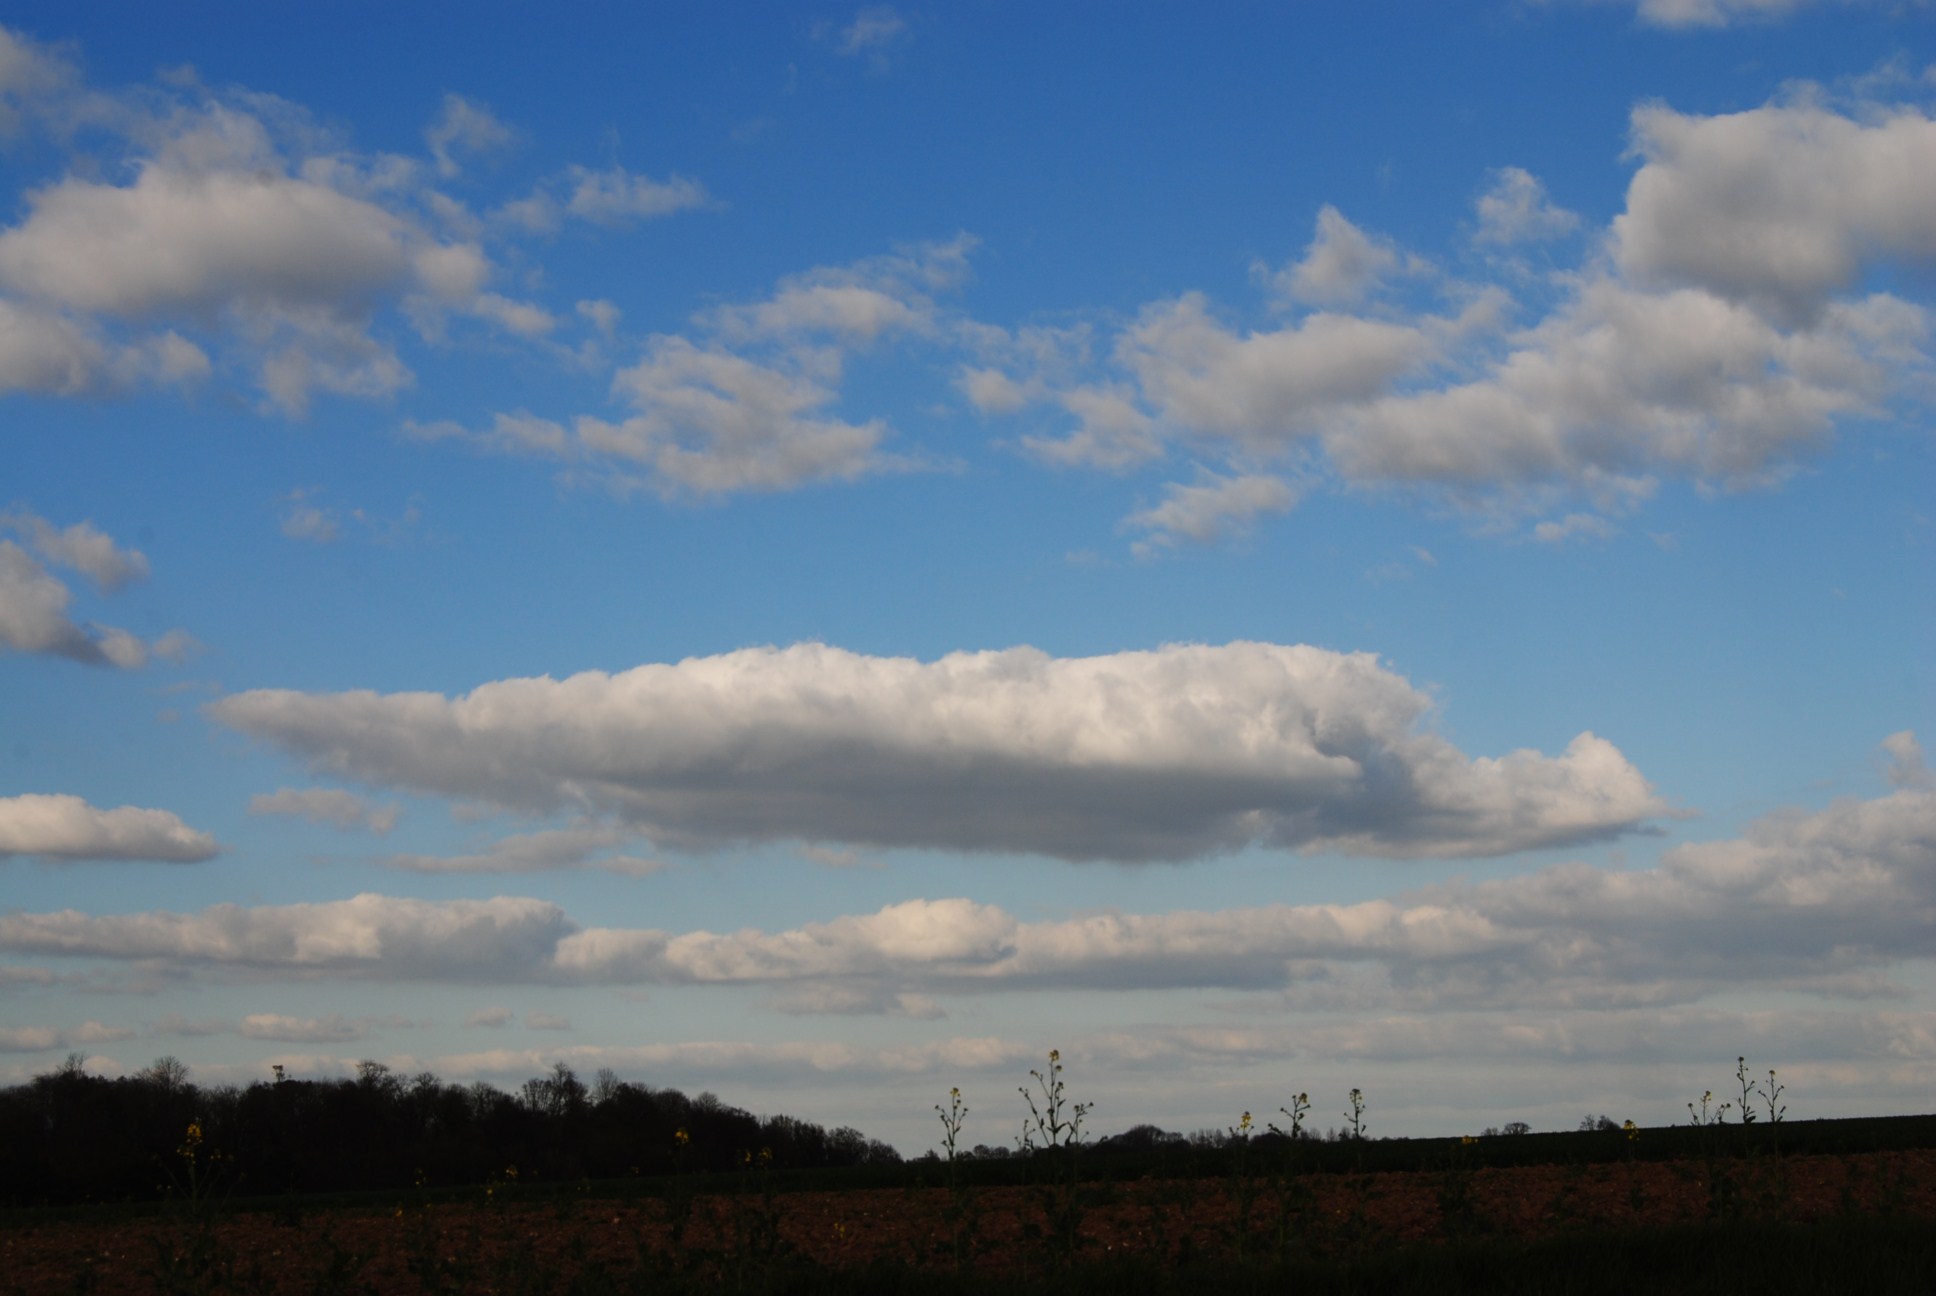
{"x": 1778, "y": 207}
{"x": 1340, "y": 266}
{"x": 1824, "y": 903}
{"x": 1516, "y": 210}
{"x": 1263, "y": 390}
{"x": 1620, "y": 383}
{"x": 34, "y": 619}
{"x": 1172, "y": 754}
{"x": 62, "y": 827}
{"x": 1906, "y": 766}
{"x": 546, "y": 1021}
{"x": 499, "y": 940}
{"x": 83, "y": 547}
{"x": 616, "y": 197}
{"x": 46, "y": 352}
{"x": 47, "y": 1039}
{"x": 464, "y": 127}
{"x": 711, "y": 421}
{"x": 1211, "y": 509}
{"x": 332, "y": 806}
{"x": 855, "y": 303}
{"x": 491, "y": 1018}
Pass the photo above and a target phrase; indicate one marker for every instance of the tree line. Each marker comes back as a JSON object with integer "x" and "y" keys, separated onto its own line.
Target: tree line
{"x": 68, "y": 1136}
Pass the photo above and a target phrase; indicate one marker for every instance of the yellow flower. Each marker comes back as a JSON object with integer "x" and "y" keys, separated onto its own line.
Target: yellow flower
{"x": 680, "y": 1136}
{"x": 1245, "y": 1123}
{"x": 1055, "y": 1055}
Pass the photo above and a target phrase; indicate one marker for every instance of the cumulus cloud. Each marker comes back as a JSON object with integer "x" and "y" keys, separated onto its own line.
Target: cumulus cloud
{"x": 82, "y": 547}
{"x": 332, "y": 806}
{"x": 1778, "y": 207}
{"x": 712, "y": 421}
{"x": 34, "y": 602}
{"x": 746, "y": 404}
{"x": 1515, "y": 209}
{"x": 1340, "y": 266}
{"x": 1165, "y": 755}
{"x": 62, "y": 827}
{"x": 1622, "y": 384}
{"x": 1263, "y": 390}
{"x": 239, "y": 229}
{"x": 1210, "y": 509}
{"x": 1719, "y": 332}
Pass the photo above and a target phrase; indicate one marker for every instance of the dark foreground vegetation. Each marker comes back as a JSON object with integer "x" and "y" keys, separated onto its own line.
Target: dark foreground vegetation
{"x": 383, "y": 1184}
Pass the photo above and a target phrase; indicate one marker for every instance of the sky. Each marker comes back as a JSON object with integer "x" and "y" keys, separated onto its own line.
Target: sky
{"x": 818, "y": 554}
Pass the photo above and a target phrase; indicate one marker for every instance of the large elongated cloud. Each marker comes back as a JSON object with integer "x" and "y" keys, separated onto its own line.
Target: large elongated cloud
{"x": 1825, "y": 903}
{"x": 62, "y": 827}
{"x": 504, "y": 939}
{"x": 1166, "y": 755}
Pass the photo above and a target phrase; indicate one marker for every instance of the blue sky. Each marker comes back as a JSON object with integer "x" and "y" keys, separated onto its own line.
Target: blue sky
{"x": 821, "y": 553}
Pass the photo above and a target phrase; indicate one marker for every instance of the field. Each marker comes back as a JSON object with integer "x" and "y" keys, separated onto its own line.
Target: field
{"x": 1835, "y": 1206}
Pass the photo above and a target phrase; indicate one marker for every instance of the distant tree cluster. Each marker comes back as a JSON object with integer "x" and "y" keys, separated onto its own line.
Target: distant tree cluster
{"x": 68, "y": 1136}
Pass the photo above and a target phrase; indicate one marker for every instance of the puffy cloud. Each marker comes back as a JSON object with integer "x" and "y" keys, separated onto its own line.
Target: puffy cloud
{"x": 1906, "y": 766}
{"x": 1210, "y": 510}
{"x": 712, "y": 421}
{"x": 45, "y": 352}
{"x": 247, "y": 227}
{"x": 34, "y": 602}
{"x": 744, "y": 407}
{"x": 1778, "y": 207}
{"x": 464, "y": 127}
{"x": 499, "y": 940}
{"x": 1621, "y": 383}
{"x": 1263, "y": 390}
{"x": 855, "y": 303}
{"x": 179, "y": 241}
{"x": 1516, "y": 210}
{"x": 62, "y": 827}
{"x": 1341, "y": 264}
{"x": 491, "y": 1017}
{"x": 332, "y": 806}
{"x": 1172, "y": 754}
{"x": 83, "y": 547}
